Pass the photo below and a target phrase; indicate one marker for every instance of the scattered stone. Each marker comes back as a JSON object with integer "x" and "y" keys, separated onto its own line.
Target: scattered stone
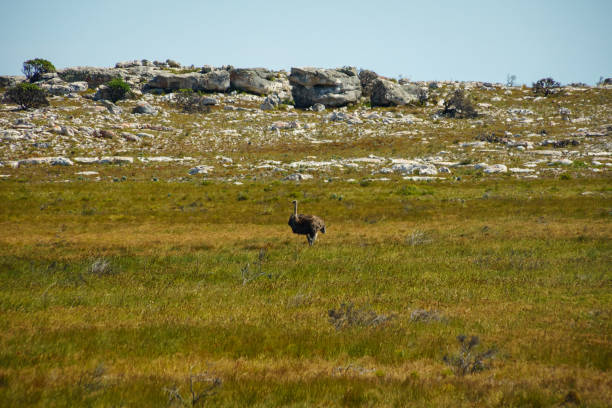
{"x": 54, "y": 161}
{"x": 413, "y": 167}
{"x": 562, "y": 162}
{"x": 495, "y": 168}
{"x": 130, "y": 137}
{"x": 10, "y": 135}
{"x": 201, "y": 169}
{"x": 298, "y": 177}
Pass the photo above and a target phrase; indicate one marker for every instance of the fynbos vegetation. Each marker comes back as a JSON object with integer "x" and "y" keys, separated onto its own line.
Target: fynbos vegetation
{"x": 27, "y": 96}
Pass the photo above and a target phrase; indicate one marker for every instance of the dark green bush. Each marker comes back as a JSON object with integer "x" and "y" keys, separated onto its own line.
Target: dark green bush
{"x": 459, "y": 106}
{"x": 35, "y": 68}
{"x": 118, "y": 89}
{"x": 27, "y": 96}
{"x": 546, "y": 87}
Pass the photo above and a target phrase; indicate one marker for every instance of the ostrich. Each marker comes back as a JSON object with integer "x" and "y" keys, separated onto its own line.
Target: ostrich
{"x": 308, "y": 225}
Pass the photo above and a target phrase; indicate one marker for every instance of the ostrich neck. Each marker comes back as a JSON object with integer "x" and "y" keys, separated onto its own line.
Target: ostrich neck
{"x": 295, "y": 208}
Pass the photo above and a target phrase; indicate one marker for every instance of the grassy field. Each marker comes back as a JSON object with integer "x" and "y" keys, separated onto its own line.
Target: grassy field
{"x": 126, "y": 293}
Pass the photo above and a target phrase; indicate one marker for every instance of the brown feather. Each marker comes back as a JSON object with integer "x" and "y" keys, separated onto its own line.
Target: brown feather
{"x": 303, "y": 224}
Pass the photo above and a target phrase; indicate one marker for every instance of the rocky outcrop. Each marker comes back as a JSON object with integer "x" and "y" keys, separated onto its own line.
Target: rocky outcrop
{"x": 92, "y": 75}
{"x": 259, "y": 81}
{"x": 7, "y": 81}
{"x": 388, "y": 93}
{"x": 64, "y": 88}
{"x": 214, "y": 81}
{"x": 330, "y": 87}
{"x": 367, "y": 79}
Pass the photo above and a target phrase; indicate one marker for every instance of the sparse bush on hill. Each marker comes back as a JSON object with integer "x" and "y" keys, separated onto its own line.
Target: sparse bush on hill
{"x": 510, "y": 80}
{"x": 118, "y": 89}
{"x": 468, "y": 360}
{"x": 35, "y": 68}
{"x": 27, "y": 96}
{"x": 459, "y": 106}
{"x": 201, "y": 386}
{"x": 546, "y": 87}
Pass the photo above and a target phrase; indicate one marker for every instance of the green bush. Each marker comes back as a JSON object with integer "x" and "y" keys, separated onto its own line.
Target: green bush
{"x": 118, "y": 89}
{"x": 27, "y": 96}
{"x": 35, "y": 68}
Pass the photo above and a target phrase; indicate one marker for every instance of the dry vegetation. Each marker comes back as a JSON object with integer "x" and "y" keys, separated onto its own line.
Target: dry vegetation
{"x": 124, "y": 291}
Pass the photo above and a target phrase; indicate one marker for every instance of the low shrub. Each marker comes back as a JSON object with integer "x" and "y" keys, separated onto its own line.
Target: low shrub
{"x": 35, "y": 68}
{"x": 546, "y": 87}
{"x": 27, "y": 96}
{"x": 118, "y": 89}
{"x": 459, "y": 106}
{"x": 469, "y": 360}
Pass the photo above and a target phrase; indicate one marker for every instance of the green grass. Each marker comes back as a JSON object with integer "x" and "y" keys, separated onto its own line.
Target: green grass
{"x": 526, "y": 269}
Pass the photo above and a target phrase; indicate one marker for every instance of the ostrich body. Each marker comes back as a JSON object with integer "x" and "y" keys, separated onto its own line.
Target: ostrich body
{"x": 308, "y": 225}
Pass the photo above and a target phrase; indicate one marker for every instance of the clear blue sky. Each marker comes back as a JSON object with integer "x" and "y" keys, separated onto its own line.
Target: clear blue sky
{"x": 569, "y": 40}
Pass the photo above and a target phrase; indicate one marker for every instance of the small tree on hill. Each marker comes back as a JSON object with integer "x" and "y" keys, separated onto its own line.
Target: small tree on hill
{"x": 27, "y": 96}
{"x": 35, "y": 68}
{"x": 546, "y": 87}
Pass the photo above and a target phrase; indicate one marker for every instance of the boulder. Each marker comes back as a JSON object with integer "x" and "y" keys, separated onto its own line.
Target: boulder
{"x": 414, "y": 167}
{"x": 367, "y": 79}
{"x": 258, "y": 81}
{"x": 495, "y": 168}
{"x": 270, "y": 102}
{"x": 112, "y": 108}
{"x": 318, "y": 107}
{"x": 144, "y": 108}
{"x": 201, "y": 169}
{"x": 298, "y": 177}
{"x": 7, "y": 81}
{"x": 330, "y": 87}
{"x": 172, "y": 63}
{"x": 92, "y": 75}
{"x": 388, "y": 93}
{"x": 103, "y": 92}
{"x": 214, "y": 81}
{"x": 64, "y": 88}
